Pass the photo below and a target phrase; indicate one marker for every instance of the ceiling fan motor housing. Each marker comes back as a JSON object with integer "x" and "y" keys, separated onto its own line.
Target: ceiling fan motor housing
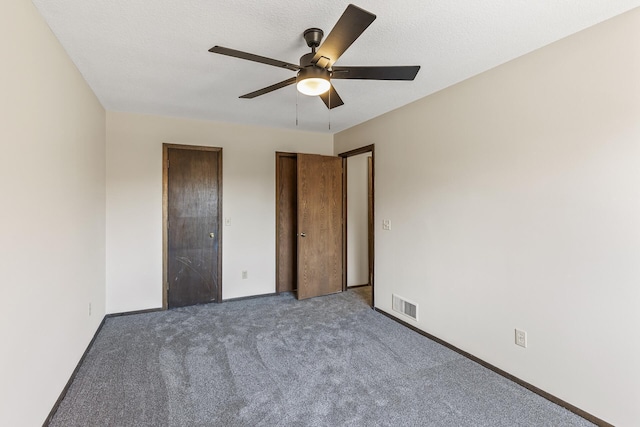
{"x": 308, "y": 69}
{"x": 305, "y": 60}
{"x": 311, "y": 71}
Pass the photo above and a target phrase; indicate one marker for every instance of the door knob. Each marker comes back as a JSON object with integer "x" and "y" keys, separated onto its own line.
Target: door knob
{"x": 303, "y": 235}
{"x": 212, "y": 235}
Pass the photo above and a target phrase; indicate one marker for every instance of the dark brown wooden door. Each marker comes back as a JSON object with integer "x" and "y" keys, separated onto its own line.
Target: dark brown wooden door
{"x": 193, "y": 213}
{"x": 286, "y": 222}
{"x": 319, "y": 225}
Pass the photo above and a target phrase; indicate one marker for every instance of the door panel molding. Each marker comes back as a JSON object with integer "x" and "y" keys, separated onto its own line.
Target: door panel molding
{"x": 165, "y": 217}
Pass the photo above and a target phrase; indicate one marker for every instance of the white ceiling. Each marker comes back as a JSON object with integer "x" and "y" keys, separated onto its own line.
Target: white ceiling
{"x": 151, "y": 56}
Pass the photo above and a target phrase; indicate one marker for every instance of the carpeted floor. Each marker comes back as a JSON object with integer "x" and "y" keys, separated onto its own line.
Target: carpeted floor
{"x": 276, "y": 361}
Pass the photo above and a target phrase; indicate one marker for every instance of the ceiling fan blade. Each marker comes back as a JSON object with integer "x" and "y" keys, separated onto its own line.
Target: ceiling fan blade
{"x": 271, "y": 88}
{"x": 376, "y": 73}
{"x": 351, "y": 24}
{"x": 255, "y": 58}
{"x": 331, "y": 95}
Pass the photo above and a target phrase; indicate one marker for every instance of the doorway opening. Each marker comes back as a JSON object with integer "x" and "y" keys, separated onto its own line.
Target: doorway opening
{"x": 358, "y": 226}
{"x": 352, "y": 261}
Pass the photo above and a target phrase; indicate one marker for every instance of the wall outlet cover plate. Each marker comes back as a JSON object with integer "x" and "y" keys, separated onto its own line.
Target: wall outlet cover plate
{"x": 521, "y": 338}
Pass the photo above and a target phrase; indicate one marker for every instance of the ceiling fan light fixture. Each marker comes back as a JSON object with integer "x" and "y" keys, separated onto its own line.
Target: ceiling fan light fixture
{"x": 313, "y": 81}
{"x": 316, "y": 68}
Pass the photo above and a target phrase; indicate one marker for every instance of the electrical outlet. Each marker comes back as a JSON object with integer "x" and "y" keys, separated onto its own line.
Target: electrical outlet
{"x": 386, "y": 224}
{"x": 521, "y": 338}
{"x": 245, "y": 274}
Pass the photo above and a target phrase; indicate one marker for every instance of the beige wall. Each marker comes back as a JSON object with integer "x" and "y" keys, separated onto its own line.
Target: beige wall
{"x": 514, "y": 198}
{"x": 52, "y": 182}
{"x": 134, "y": 202}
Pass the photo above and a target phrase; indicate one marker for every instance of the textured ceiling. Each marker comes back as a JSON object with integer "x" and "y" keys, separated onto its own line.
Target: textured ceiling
{"x": 151, "y": 56}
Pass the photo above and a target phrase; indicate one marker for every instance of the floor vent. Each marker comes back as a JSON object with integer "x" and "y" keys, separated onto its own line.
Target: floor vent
{"x": 405, "y": 307}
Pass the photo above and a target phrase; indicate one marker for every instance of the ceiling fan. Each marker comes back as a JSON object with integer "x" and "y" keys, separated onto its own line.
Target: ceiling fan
{"x": 316, "y": 69}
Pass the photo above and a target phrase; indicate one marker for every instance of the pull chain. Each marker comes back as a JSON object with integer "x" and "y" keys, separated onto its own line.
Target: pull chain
{"x": 296, "y": 108}
{"x": 330, "y": 107}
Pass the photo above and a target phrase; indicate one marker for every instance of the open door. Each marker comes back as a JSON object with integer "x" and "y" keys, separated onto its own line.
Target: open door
{"x": 319, "y": 225}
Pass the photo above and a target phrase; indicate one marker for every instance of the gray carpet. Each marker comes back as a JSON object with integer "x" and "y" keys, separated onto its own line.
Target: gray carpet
{"x": 276, "y": 361}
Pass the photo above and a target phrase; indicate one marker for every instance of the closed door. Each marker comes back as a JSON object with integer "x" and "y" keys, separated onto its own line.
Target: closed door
{"x": 193, "y": 207}
{"x": 319, "y": 183}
